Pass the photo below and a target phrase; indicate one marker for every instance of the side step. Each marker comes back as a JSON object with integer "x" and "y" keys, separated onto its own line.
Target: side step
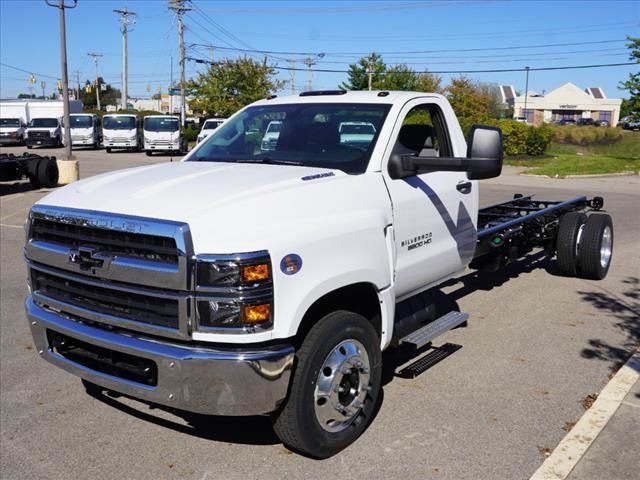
{"x": 424, "y": 335}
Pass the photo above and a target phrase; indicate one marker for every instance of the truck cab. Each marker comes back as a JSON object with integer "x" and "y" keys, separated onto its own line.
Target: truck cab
{"x": 12, "y": 130}
{"x": 121, "y": 131}
{"x": 45, "y": 131}
{"x": 162, "y": 134}
{"x": 86, "y": 130}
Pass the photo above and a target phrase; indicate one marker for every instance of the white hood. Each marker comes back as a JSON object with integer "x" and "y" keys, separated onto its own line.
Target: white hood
{"x": 229, "y": 207}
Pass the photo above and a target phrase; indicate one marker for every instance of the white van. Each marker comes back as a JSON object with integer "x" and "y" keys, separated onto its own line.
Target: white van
{"x": 162, "y": 134}
{"x": 121, "y": 131}
{"x": 86, "y": 130}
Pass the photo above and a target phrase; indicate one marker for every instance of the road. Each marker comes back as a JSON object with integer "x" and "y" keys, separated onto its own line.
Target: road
{"x": 536, "y": 347}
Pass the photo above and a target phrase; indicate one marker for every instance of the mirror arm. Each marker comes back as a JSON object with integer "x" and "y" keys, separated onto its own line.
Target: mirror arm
{"x": 450, "y": 164}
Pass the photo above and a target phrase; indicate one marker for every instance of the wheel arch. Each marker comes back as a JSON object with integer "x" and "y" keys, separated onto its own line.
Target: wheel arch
{"x": 361, "y": 298}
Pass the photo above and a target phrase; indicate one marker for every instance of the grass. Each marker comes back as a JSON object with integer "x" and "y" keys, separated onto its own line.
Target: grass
{"x": 562, "y": 160}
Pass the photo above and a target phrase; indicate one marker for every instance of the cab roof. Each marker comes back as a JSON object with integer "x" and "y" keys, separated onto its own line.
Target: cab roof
{"x": 347, "y": 96}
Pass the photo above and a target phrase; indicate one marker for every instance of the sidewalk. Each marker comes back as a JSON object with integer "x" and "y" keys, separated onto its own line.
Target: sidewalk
{"x": 604, "y": 444}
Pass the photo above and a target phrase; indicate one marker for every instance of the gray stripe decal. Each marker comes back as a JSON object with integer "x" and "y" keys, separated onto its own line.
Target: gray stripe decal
{"x": 463, "y": 231}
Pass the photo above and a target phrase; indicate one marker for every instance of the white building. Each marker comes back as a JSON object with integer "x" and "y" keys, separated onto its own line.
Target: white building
{"x": 565, "y": 102}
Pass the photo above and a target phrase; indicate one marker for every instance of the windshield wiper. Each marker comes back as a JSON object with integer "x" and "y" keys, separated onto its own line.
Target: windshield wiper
{"x": 268, "y": 161}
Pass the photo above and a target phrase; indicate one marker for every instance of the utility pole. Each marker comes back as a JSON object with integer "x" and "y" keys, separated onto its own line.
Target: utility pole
{"x": 178, "y": 7}
{"x": 60, "y": 5}
{"x": 292, "y": 74}
{"x": 43, "y": 85}
{"x": 171, "y": 88}
{"x": 95, "y": 57}
{"x": 526, "y": 94}
{"x": 310, "y": 62}
{"x": 126, "y": 18}
{"x": 77, "y": 74}
{"x": 370, "y": 70}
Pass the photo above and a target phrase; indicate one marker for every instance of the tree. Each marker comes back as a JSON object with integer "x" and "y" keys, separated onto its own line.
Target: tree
{"x": 473, "y": 102}
{"x": 429, "y": 82}
{"x": 398, "y": 77}
{"x": 229, "y": 85}
{"x": 633, "y": 82}
{"x": 110, "y": 96}
{"x": 358, "y": 76}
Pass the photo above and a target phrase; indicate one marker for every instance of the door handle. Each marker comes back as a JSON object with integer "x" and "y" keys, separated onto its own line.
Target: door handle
{"x": 464, "y": 187}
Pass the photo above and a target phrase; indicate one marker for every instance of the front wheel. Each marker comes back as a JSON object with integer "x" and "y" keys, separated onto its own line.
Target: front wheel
{"x": 108, "y": 149}
{"x": 335, "y": 386}
{"x": 148, "y": 153}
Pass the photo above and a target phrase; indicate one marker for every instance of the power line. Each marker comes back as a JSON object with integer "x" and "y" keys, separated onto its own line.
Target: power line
{"x": 338, "y": 54}
{"x": 27, "y": 71}
{"x": 497, "y": 70}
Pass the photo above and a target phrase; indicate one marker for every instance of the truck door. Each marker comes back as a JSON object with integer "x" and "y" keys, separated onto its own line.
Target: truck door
{"x": 434, "y": 214}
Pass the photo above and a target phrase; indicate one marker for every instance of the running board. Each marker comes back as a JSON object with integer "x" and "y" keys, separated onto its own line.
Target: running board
{"x": 424, "y": 335}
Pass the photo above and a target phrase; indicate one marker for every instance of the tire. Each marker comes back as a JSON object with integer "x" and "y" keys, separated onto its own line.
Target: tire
{"x": 29, "y": 147}
{"x": 32, "y": 173}
{"x": 346, "y": 341}
{"x": 596, "y": 247}
{"x": 569, "y": 231}
{"x": 47, "y": 172}
{"x": 108, "y": 150}
{"x": 148, "y": 153}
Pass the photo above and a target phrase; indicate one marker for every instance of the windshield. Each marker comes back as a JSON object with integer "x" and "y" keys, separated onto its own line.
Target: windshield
{"x": 9, "y": 122}
{"x": 211, "y": 124}
{"x": 81, "y": 121}
{"x": 161, "y": 124}
{"x": 43, "y": 123}
{"x": 118, "y": 123}
{"x": 308, "y": 135}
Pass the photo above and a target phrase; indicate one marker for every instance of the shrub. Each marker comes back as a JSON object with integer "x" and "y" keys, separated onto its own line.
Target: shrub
{"x": 585, "y": 135}
{"x": 190, "y": 133}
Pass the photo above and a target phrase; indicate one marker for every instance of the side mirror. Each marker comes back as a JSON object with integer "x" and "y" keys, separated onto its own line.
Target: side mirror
{"x": 483, "y": 160}
{"x": 484, "y": 152}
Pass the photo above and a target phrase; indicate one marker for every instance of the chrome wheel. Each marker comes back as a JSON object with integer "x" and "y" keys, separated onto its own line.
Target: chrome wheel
{"x": 606, "y": 247}
{"x": 342, "y": 386}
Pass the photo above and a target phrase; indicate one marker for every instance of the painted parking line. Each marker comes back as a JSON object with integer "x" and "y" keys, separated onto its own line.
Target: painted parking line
{"x": 17, "y": 212}
{"x": 11, "y": 226}
{"x": 574, "y": 445}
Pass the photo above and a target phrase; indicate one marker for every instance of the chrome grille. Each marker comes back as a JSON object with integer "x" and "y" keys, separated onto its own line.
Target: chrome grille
{"x": 114, "y": 242}
{"x": 147, "y": 309}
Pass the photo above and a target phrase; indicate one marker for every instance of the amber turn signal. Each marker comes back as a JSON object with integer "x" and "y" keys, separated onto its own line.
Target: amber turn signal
{"x": 256, "y": 313}
{"x": 254, "y": 273}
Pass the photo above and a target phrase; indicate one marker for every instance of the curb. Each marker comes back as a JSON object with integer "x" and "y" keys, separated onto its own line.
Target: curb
{"x": 595, "y": 175}
{"x": 575, "y": 444}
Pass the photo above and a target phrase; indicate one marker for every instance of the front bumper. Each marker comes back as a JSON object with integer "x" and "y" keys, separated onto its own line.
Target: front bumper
{"x": 172, "y": 147}
{"x": 5, "y": 140}
{"x": 41, "y": 141}
{"x": 218, "y": 381}
{"x": 112, "y": 144}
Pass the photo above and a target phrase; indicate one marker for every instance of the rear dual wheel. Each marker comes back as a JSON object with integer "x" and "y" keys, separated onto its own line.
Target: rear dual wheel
{"x": 335, "y": 386}
{"x": 585, "y": 245}
{"x": 43, "y": 173}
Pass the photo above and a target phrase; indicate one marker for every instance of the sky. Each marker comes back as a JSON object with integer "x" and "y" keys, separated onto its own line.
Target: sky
{"x": 437, "y": 36}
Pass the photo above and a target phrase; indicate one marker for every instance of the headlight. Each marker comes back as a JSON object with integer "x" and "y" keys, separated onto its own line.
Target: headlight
{"x": 240, "y": 271}
{"x": 234, "y": 291}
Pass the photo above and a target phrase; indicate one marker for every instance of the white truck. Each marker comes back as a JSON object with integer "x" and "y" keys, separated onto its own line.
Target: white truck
{"x": 242, "y": 281}
{"x": 122, "y": 131}
{"x": 12, "y": 130}
{"x": 43, "y": 131}
{"x": 86, "y": 130}
{"x": 162, "y": 134}
{"x": 209, "y": 126}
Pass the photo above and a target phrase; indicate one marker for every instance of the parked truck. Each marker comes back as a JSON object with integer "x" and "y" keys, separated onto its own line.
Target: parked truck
{"x": 244, "y": 281}
{"x": 162, "y": 134}
{"x": 86, "y": 130}
{"x": 121, "y": 131}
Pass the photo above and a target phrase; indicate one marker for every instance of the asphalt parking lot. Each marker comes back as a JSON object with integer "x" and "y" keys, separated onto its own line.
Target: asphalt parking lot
{"x": 536, "y": 347}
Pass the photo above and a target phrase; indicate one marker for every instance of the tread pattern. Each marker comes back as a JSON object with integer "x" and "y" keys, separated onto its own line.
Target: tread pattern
{"x": 566, "y": 242}
{"x": 589, "y": 266}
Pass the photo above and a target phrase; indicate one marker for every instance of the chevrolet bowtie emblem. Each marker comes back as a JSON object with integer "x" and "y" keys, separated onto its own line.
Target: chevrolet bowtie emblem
{"x": 87, "y": 258}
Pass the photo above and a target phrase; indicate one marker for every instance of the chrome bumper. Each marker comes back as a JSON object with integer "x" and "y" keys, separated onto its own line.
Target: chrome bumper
{"x": 233, "y": 381}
